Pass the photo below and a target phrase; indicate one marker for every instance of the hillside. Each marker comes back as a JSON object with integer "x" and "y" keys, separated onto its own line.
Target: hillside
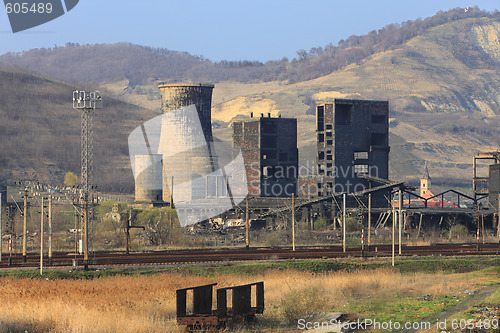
{"x": 444, "y": 98}
{"x": 443, "y": 86}
{"x": 40, "y": 132}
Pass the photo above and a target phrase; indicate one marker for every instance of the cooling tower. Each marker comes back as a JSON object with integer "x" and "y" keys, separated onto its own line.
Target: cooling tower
{"x": 176, "y": 96}
{"x": 186, "y": 139}
{"x": 148, "y": 183}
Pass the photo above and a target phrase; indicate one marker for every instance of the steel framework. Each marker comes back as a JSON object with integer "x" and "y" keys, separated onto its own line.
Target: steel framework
{"x": 87, "y": 102}
{"x": 480, "y": 184}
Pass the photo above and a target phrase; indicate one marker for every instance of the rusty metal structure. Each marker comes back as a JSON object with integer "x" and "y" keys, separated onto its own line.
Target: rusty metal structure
{"x": 87, "y": 102}
{"x": 483, "y": 185}
{"x": 352, "y": 140}
{"x": 203, "y": 317}
{"x": 269, "y": 148}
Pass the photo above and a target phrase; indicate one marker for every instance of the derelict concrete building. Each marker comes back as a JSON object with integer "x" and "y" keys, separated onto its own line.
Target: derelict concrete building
{"x": 3, "y": 192}
{"x": 352, "y": 139}
{"x": 186, "y": 141}
{"x": 270, "y": 154}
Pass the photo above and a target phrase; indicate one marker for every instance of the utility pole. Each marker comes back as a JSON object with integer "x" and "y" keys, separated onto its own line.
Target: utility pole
{"x": 50, "y": 229}
{"x": 311, "y": 221}
{"x": 25, "y": 217}
{"x": 343, "y": 222}
{"x": 127, "y": 231}
{"x": 1, "y": 225}
{"x": 334, "y": 213}
{"x": 498, "y": 221}
{"x": 477, "y": 234}
{"x": 86, "y": 231}
{"x": 482, "y": 227}
{"x": 400, "y": 217}
{"x": 293, "y": 221}
{"x": 87, "y": 102}
{"x": 41, "y": 240}
{"x": 129, "y": 226}
{"x": 369, "y": 219}
{"x": 11, "y": 223}
{"x": 362, "y": 242}
{"x": 247, "y": 241}
{"x": 393, "y": 230}
{"x": 172, "y": 194}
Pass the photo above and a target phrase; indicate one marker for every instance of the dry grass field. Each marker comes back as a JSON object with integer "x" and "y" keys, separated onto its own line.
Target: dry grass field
{"x": 141, "y": 303}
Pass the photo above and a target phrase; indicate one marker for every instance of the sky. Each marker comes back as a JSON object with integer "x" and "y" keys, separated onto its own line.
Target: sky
{"x": 221, "y": 29}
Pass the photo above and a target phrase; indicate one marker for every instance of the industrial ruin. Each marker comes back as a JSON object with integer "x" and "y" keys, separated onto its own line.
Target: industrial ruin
{"x": 177, "y": 164}
{"x": 269, "y": 148}
{"x": 194, "y": 150}
{"x": 352, "y": 159}
{"x": 352, "y": 140}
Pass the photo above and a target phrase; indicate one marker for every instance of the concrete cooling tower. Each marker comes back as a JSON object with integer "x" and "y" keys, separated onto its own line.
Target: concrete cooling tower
{"x": 148, "y": 183}
{"x": 176, "y": 96}
{"x": 186, "y": 141}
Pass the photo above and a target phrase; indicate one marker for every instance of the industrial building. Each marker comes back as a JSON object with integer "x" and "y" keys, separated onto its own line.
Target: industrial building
{"x": 352, "y": 141}
{"x": 186, "y": 141}
{"x": 269, "y": 149}
{"x": 3, "y": 195}
{"x": 487, "y": 185}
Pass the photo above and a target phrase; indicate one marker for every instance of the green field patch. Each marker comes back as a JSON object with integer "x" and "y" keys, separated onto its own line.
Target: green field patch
{"x": 476, "y": 266}
{"x": 403, "y": 309}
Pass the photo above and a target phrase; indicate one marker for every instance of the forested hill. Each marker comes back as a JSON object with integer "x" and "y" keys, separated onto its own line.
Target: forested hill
{"x": 139, "y": 64}
{"x": 40, "y": 133}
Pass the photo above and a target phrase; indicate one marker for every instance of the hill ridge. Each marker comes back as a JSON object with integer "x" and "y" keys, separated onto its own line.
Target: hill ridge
{"x": 138, "y": 64}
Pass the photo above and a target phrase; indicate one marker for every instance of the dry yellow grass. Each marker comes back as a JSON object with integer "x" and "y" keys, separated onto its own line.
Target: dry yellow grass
{"x": 147, "y": 303}
{"x": 243, "y": 106}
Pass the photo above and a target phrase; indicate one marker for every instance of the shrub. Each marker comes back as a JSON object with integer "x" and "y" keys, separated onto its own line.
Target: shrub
{"x": 299, "y": 303}
{"x": 162, "y": 226}
{"x": 273, "y": 240}
{"x": 320, "y": 223}
{"x": 458, "y": 231}
{"x": 351, "y": 224}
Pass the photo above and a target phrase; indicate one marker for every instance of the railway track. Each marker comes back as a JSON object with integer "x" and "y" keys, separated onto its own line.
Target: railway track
{"x": 107, "y": 258}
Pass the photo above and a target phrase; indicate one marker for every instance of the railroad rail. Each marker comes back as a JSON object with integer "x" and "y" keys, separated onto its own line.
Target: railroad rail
{"x": 108, "y": 258}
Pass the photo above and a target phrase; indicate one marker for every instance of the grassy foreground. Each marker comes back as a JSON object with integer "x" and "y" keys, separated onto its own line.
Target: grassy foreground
{"x": 144, "y": 300}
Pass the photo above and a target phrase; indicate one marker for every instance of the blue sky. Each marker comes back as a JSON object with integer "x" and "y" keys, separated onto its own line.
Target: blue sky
{"x": 222, "y": 29}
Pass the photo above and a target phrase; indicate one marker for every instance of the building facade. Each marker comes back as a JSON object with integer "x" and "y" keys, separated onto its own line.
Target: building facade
{"x": 269, "y": 149}
{"x": 352, "y": 140}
